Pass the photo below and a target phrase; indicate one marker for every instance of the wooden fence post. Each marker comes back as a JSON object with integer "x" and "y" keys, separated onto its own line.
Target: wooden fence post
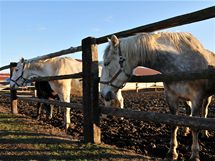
{"x": 92, "y": 131}
{"x": 13, "y": 96}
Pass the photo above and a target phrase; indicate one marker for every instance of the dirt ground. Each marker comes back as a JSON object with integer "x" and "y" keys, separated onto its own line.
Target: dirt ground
{"x": 149, "y": 139}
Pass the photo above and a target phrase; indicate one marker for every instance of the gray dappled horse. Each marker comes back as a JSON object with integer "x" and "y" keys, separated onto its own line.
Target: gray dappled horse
{"x": 164, "y": 52}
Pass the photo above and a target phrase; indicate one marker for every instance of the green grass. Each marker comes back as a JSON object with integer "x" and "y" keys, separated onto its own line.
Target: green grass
{"x": 24, "y": 139}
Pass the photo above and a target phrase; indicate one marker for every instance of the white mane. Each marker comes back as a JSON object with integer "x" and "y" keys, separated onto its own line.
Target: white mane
{"x": 148, "y": 45}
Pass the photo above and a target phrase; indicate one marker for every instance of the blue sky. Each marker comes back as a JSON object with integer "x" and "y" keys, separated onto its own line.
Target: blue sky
{"x": 33, "y": 28}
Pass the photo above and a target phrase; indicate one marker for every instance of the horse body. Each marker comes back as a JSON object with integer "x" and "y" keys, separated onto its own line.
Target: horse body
{"x": 164, "y": 52}
{"x": 57, "y": 66}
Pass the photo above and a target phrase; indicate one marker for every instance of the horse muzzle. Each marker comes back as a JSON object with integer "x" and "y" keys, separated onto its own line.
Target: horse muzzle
{"x": 108, "y": 96}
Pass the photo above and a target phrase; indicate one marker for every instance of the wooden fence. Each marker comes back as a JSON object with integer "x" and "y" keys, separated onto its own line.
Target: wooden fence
{"x": 91, "y": 109}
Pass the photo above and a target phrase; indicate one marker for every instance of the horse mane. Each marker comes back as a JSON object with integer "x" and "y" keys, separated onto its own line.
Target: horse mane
{"x": 150, "y": 44}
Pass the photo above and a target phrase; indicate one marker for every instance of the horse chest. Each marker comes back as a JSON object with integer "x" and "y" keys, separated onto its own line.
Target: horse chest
{"x": 188, "y": 90}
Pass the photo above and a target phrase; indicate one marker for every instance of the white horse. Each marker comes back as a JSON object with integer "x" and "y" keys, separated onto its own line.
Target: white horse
{"x": 27, "y": 69}
{"x": 51, "y": 67}
{"x": 164, "y": 52}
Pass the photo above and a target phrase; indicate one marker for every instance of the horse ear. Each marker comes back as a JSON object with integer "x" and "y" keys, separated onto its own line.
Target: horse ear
{"x": 109, "y": 40}
{"x": 114, "y": 40}
{"x": 22, "y": 60}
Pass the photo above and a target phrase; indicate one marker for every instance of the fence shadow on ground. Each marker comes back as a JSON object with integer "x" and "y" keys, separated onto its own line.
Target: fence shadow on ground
{"x": 17, "y": 142}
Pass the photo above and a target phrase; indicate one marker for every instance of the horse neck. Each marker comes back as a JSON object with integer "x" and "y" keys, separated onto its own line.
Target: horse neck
{"x": 157, "y": 61}
{"x": 36, "y": 69}
{"x": 145, "y": 55}
{"x": 138, "y": 54}
{"x": 136, "y": 57}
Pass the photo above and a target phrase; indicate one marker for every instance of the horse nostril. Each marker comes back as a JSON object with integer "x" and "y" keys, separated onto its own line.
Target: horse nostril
{"x": 108, "y": 96}
{"x": 101, "y": 96}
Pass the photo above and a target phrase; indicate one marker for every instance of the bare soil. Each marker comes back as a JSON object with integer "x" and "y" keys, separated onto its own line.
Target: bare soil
{"x": 144, "y": 138}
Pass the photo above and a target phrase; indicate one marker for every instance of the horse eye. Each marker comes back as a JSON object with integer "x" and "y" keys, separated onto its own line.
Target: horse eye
{"x": 16, "y": 70}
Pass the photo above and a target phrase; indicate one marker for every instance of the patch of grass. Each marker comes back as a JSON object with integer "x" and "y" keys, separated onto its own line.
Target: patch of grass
{"x": 24, "y": 139}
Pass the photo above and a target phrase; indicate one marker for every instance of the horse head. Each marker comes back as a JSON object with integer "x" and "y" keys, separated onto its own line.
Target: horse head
{"x": 114, "y": 73}
{"x": 19, "y": 77}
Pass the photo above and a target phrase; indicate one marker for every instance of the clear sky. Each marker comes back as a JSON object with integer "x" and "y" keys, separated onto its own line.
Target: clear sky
{"x": 34, "y": 28}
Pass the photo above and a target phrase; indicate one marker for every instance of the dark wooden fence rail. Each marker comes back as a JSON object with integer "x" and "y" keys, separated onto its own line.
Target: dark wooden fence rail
{"x": 92, "y": 111}
{"x": 200, "y": 15}
{"x": 48, "y": 78}
{"x": 176, "y": 76}
{"x": 5, "y": 67}
{"x": 51, "y": 55}
{"x": 75, "y": 106}
{"x": 195, "y": 122}
{"x": 58, "y": 53}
